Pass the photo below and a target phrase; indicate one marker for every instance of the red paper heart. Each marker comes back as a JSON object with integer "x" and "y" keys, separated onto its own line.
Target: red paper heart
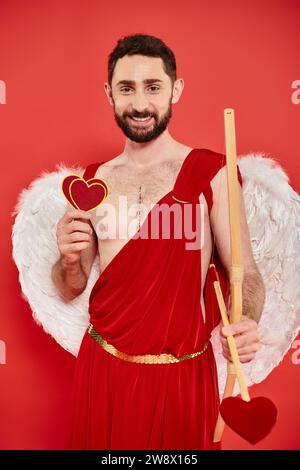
{"x": 84, "y": 194}
{"x": 252, "y": 420}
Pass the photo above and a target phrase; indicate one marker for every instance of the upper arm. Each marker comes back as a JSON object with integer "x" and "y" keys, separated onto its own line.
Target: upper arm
{"x": 221, "y": 226}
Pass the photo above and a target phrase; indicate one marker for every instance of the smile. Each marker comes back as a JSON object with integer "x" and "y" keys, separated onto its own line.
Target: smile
{"x": 141, "y": 121}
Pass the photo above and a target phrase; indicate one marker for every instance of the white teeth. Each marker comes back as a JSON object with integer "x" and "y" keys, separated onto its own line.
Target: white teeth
{"x": 142, "y": 119}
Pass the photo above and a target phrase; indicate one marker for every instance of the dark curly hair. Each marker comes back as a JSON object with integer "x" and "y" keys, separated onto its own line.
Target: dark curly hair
{"x": 146, "y": 45}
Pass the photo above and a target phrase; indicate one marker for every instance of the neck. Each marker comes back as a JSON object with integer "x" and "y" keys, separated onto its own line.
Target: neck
{"x": 143, "y": 155}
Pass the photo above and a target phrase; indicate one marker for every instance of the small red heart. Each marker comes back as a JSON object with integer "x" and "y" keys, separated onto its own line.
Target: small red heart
{"x": 252, "y": 420}
{"x": 84, "y": 194}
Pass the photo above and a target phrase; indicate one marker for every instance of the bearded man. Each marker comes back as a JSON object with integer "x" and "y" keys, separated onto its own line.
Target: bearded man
{"x": 146, "y": 373}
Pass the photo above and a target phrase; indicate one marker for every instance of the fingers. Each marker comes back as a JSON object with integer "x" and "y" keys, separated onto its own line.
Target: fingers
{"x": 74, "y": 247}
{"x": 243, "y": 340}
{"x": 243, "y": 358}
{"x": 77, "y": 226}
{"x": 76, "y": 214}
{"x": 245, "y": 325}
{"x": 72, "y": 237}
{"x": 250, "y": 349}
{"x": 69, "y": 222}
{"x": 74, "y": 233}
{"x": 246, "y": 339}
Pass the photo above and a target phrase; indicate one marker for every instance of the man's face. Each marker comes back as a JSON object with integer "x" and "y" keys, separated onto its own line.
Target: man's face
{"x": 141, "y": 89}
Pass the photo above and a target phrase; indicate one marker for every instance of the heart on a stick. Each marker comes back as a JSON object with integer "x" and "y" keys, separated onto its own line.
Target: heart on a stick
{"x": 84, "y": 194}
{"x": 252, "y": 420}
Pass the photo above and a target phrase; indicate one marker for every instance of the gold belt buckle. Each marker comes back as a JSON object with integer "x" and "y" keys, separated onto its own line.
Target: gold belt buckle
{"x": 163, "y": 358}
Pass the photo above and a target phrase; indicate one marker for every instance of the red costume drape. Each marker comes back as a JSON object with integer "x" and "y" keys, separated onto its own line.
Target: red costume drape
{"x": 147, "y": 301}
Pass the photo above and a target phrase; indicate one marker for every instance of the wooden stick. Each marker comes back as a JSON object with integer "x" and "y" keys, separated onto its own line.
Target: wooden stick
{"x": 231, "y": 344}
{"x": 236, "y": 274}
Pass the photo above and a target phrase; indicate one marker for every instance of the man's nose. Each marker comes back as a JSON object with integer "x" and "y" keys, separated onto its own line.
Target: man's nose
{"x": 140, "y": 102}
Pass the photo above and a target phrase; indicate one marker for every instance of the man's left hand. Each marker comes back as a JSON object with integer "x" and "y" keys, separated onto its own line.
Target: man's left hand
{"x": 245, "y": 333}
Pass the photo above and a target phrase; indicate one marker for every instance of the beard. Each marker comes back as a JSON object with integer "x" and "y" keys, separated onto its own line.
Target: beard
{"x": 144, "y": 134}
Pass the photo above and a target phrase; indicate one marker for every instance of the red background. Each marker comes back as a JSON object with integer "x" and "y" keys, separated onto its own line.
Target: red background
{"x": 53, "y": 59}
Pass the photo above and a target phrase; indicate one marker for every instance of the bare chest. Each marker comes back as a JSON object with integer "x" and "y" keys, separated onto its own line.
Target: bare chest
{"x": 131, "y": 197}
{"x": 132, "y": 194}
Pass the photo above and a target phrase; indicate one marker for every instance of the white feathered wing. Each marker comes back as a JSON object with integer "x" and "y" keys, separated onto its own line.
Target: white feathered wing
{"x": 273, "y": 215}
{"x": 35, "y": 250}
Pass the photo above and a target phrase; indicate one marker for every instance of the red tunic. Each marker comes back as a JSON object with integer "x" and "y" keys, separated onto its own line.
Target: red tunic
{"x": 147, "y": 301}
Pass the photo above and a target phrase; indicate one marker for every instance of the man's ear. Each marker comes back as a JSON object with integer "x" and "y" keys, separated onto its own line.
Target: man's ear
{"x": 177, "y": 89}
{"x": 108, "y": 92}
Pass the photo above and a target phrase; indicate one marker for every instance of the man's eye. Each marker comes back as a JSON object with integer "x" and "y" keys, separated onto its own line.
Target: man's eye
{"x": 156, "y": 88}
{"x": 125, "y": 88}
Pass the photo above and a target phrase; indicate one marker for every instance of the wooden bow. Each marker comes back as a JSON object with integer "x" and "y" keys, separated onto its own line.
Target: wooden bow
{"x": 236, "y": 272}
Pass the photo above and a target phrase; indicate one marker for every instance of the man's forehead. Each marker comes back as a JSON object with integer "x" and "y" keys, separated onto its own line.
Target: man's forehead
{"x": 138, "y": 69}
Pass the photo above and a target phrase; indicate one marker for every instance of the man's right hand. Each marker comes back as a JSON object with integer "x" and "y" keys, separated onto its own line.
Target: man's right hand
{"x": 74, "y": 234}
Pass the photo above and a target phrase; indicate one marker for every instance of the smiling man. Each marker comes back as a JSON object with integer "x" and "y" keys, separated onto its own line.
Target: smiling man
{"x": 146, "y": 374}
{"x": 143, "y": 126}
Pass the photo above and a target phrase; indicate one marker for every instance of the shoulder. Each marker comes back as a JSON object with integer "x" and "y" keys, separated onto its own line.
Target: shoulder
{"x": 210, "y": 166}
{"x": 103, "y": 168}
{"x": 210, "y": 163}
{"x": 219, "y": 183}
{"x": 211, "y": 156}
{"x": 208, "y": 160}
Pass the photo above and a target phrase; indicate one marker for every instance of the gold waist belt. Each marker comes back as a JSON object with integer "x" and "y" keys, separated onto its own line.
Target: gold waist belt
{"x": 142, "y": 358}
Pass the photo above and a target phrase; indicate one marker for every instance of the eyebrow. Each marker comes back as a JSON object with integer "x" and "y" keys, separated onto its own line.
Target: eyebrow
{"x": 132, "y": 82}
